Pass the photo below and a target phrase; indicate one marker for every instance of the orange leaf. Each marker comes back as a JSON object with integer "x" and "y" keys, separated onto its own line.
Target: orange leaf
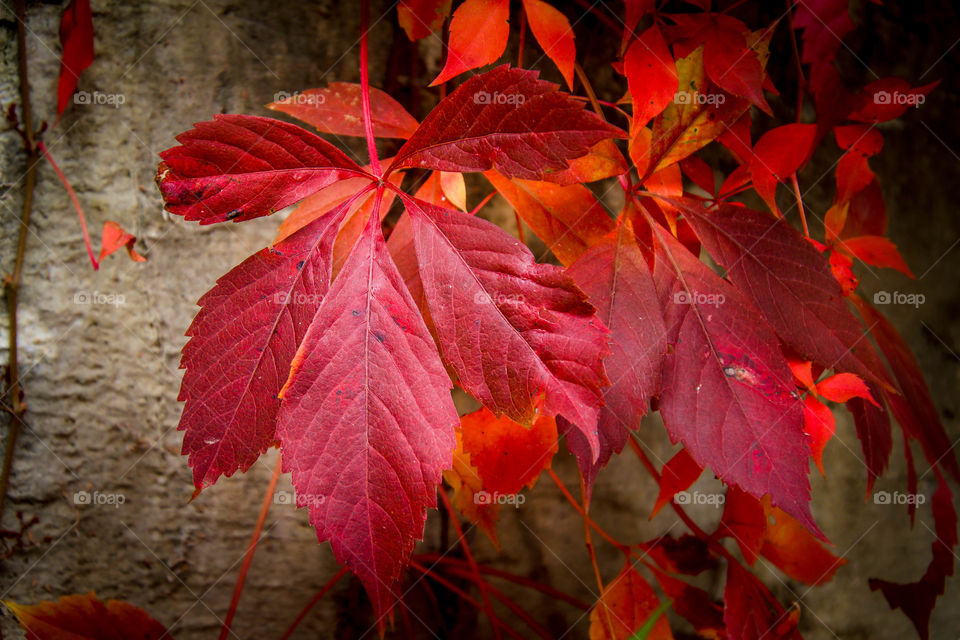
{"x": 876, "y": 250}
{"x": 624, "y": 606}
{"x": 454, "y": 189}
{"x": 744, "y": 521}
{"x": 803, "y": 372}
{"x": 678, "y": 474}
{"x": 820, "y": 424}
{"x": 792, "y": 548}
{"x": 651, "y": 75}
{"x": 554, "y": 35}
{"x": 115, "y": 237}
{"x": 843, "y": 386}
{"x": 469, "y": 497}
{"x": 478, "y": 35}
{"x": 84, "y": 617}
{"x": 508, "y": 455}
{"x": 568, "y": 219}
{"x": 604, "y": 160}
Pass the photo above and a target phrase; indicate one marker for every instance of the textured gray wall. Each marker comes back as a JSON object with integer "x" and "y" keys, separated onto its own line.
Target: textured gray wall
{"x": 102, "y": 380}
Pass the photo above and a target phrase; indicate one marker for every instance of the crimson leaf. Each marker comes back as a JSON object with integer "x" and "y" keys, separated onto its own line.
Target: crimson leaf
{"x": 510, "y": 328}
{"x": 507, "y": 119}
{"x": 241, "y": 167}
{"x": 728, "y": 393}
{"x": 241, "y": 346}
{"x": 367, "y": 421}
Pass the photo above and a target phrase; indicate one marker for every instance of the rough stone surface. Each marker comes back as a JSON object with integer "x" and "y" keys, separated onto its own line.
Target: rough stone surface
{"x": 102, "y": 379}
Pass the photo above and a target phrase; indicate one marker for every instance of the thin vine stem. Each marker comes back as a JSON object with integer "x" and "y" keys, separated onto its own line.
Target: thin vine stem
{"x": 248, "y": 558}
{"x": 76, "y": 205}
{"x": 365, "y": 87}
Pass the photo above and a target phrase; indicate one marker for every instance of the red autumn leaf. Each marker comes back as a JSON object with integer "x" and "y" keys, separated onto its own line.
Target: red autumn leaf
{"x": 604, "y": 160}
{"x": 803, "y": 373}
{"x": 743, "y": 520}
{"x": 841, "y": 267}
{"x": 778, "y": 154}
{"x": 820, "y": 425}
{"x": 617, "y": 281}
{"x": 510, "y": 328}
{"x": 478, "y": 36}
{"x": 507, "y": 119}
{"x": 825, "y": 24}
{"x": 85, "y": 617}
{"x": 626, "y": 603}
{"x": 889, "y": 98}
{"x": 862, "y": 139}
{"x": 844, "y": 386}
{"x": 700, "y": 173}
{"x": 554, "y": 35}
{"x": 728, "y": 393}
{"x": 508, "y": 455}
{"x": 322, "y": 202}
{"x": 875, "y": 250}
{"x": 695, "y": 605}
{"x": 697, "y": 117}
{"x": 794, "y": 551}
{"x": 875, "y": 435}
{"x": 853, "y": 176}
{"x": 367, "y": 422}
{"x": 115, "y": 237}
{"x": 917, "y": 599}
{"x": 243, "y": 167}
{"x": 569, "y": 219}
{"x": 76, "y": 38}
{"x": 464, "y": 478}
{"x": 913, "y": 408}
{"x": 337, "y": 109}
{"x": 751, "y": 612}
{"x": 733, "y": 65}
{"x": 241, "y": 345}
{"x": 651, "y": 75}
{"x": 786, "y": 279}
{"x": 678, "y": 474}
{"x": 420, "y": 18}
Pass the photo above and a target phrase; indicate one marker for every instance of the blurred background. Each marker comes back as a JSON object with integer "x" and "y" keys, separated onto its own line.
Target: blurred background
{"x": 101, "y": 379}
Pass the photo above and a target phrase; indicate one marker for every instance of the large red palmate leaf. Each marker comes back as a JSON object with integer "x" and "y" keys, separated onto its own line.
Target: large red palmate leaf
{"x": 76, "y": 37}
{"x": 790, "y": 283}
{"x": 506, "y": 119}
{"x": 241, "y": 345}
{"x": 367, "y": 422}
{"x": 728, "y": 393}
{"x": 510, "y": 328}
{"x": 86, "y": 617}
{"x": 241, "y": 167}
{"x": 618, "y": 282}
{"x": 337, "y": 109}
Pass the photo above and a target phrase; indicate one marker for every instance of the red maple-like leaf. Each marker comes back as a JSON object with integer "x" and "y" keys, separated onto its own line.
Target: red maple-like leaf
{"x": 510, "y": 328}
{"x": 618, "y": 282}
{"x": 242, "y": 167}
{"x": 786, "y": 279}
{"x": 86, "y": 617}
{"x": 367, "y": 421}
{"x": 507, "y": 119}
{"x": 241, "y": 345}
{"x": 728, "y": 393}
{"x": 750, "y": 611}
